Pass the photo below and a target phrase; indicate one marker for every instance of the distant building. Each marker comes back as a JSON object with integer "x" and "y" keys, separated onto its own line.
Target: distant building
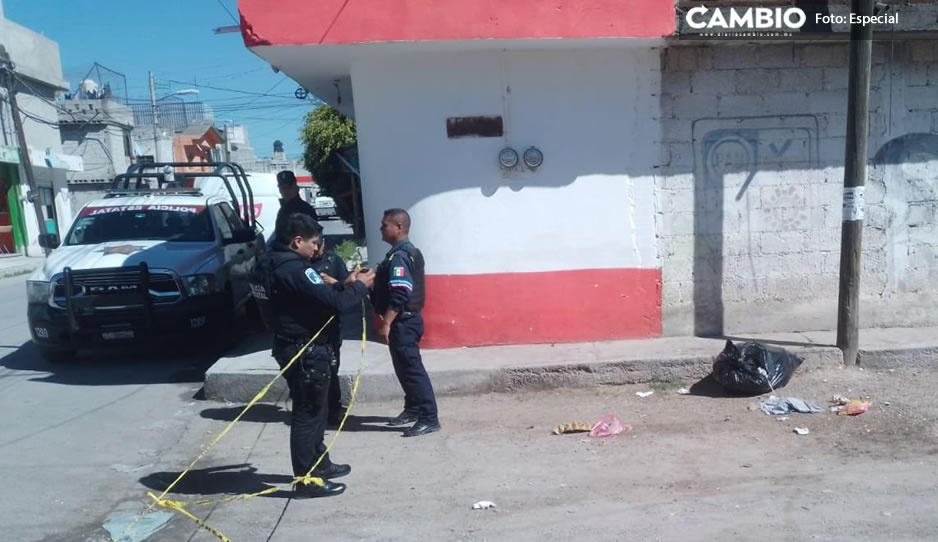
{"x": 173, "y": 115}
{"x": 39, "y": 68}
{"x": 198, "y": 143}
{"x": 100, "y": 131}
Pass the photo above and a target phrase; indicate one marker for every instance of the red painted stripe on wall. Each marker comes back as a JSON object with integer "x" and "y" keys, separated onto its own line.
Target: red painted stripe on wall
{"x": 548, "y": 307}
{"x": 303, "y": 22}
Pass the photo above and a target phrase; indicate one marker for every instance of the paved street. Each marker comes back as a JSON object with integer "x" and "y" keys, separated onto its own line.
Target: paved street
{"x": 81, "y": 442}
{"x": 69, "y": 431}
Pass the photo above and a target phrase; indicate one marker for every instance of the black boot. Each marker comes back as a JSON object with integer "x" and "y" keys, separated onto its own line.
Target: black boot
{"x": 422, "y": 428}
{"x": 404, "y": 418}
{"x": 334, "y": 470}
{"x": 312, "y": 490}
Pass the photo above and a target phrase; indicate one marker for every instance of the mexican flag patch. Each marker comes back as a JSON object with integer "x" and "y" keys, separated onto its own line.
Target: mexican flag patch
{"x": 397, "y": 272}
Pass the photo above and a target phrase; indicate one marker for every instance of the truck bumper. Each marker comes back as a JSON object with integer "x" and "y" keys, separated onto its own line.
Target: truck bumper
{"x": 51, "y": 327}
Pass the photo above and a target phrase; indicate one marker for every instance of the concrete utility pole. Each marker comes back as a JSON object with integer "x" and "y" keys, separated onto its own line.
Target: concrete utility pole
{"x": 855, "y": 171}
{"x": 156, "y": 141}
{"x": 8, "y": 75}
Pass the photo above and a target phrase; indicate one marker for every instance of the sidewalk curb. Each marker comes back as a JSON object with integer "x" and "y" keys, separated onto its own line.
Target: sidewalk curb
{"x": 19, "y": 270}
{"x": 895, "y": 358}
{"x": 242, "y": 386}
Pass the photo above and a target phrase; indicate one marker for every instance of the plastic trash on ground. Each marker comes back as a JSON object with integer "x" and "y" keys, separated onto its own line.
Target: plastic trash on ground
{"x": 483, "y": 505}
{"x": 608, "y": 425}
{"x": 572, "y": 427}
{"x": 852, "y": 408}
{"x": 133, "y": 528}
{"x": 779, "y": 406}
{"x": 753, "y": 368}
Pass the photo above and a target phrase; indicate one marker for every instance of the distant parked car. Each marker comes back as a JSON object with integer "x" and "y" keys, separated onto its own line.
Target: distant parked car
{"x": 325, "y": 206}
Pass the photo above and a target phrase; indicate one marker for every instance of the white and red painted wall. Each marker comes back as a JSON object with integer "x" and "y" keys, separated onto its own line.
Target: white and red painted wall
{"x": 565, "y": 252}
{"x": 562, "y": 253}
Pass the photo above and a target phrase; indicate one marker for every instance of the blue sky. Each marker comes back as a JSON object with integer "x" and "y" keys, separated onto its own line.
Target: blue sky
{"x": 174, "y": 39}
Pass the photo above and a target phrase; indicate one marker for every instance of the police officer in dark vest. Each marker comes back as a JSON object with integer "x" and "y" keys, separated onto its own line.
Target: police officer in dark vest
{"x": 398, "y": 299}
{"x": 295, "y": 303}
{"x": 333, "y": 271}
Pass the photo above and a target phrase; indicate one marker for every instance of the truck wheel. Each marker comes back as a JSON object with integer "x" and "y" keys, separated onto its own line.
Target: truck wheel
{"x": 56, "y": 355}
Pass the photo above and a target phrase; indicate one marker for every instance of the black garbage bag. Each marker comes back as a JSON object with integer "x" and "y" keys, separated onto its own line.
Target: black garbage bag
{"x": 737, "y": 368}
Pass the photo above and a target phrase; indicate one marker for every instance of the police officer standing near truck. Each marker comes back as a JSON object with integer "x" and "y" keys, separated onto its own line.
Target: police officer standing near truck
{"x": 296, "y": 303}
{"x": 290, "y": 200}
{"x": 398, "y": 299}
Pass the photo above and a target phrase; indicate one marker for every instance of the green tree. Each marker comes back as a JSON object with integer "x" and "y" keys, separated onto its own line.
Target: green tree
{"x": 324, "y": 133}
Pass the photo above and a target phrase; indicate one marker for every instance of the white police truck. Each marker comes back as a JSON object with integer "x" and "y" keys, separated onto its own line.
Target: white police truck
{"x": 156, "y": 257}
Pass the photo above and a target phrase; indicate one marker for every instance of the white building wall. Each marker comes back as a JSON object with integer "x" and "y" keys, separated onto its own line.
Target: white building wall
{"x": 590, "y": 111}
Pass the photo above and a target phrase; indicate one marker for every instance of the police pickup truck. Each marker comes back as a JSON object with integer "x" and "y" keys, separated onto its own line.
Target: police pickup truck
{"x": 155, "y": 257}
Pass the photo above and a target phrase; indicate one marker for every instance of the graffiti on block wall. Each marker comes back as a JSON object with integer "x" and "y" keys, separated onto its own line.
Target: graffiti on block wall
{"x": 737, "y": 155}
{"x": 753, "y": 144}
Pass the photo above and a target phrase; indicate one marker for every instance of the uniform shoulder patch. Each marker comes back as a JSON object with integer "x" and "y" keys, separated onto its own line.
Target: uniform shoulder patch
{"x": 397, "y": 272}
{"x": 313, "y": 276}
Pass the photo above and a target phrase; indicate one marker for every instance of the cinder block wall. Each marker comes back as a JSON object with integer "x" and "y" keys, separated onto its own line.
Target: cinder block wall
{"x": 749, "y": 186}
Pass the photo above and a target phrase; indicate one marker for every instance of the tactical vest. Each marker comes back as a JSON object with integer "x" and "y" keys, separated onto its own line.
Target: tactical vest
{"x": 262, "y": 290}
{"x": 383, "y": 276}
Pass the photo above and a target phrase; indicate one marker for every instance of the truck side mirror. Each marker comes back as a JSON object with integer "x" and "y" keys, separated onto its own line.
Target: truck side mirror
{"x": 243, "y": 235}
{"x": 49, "y": 241}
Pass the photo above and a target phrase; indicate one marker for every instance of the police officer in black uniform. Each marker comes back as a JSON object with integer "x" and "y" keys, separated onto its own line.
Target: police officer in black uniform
{"x": 295, "y": 303}
{"x": 290, "y": 200}
{"x": 398, "y": 299}
{"x": 333, "y": 271}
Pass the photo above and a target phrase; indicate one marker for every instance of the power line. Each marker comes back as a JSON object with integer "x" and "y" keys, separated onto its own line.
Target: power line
{"x": 222, "y": 89}
{"x": 224, "y": 7}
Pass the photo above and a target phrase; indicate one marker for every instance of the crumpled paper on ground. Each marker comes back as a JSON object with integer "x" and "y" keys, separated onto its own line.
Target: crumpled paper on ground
{"x": 779, "y": 406}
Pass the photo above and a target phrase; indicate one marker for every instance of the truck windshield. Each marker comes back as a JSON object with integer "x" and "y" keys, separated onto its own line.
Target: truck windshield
{"x": 181, "y": 223}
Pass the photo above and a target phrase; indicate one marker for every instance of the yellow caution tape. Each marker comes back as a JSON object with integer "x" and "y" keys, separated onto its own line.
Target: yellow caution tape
{"x": 180, "y": 506}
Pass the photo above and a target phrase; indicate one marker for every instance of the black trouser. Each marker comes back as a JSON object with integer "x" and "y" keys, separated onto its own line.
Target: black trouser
{"x": 308, "y": 379}
{"x": 403, "y": 342}
{"x": 335, "y": 392}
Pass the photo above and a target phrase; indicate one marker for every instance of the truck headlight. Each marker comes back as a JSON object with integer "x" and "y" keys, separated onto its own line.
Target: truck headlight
{"x": 199, "y": 285}
{"x": 37, "y": 291}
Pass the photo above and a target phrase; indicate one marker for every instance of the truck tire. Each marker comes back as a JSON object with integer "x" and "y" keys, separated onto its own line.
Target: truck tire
{"x": 56, "y": 355}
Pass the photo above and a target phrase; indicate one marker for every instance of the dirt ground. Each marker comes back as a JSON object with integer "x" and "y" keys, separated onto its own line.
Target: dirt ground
{"x": 694, "y": 467}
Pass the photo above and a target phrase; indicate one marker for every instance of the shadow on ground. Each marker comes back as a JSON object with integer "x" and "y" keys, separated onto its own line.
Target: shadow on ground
{"x": 772, "y": 342}
{"x": 150, "y": 363}
{"x": 267, "y": 413}
{"x": 708, "y": 387}
{"x": 237, "y": 479}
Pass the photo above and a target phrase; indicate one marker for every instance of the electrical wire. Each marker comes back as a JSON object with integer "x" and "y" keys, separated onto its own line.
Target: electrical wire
{"x": 221, "y": 89}
{"x": 224, "y": 7}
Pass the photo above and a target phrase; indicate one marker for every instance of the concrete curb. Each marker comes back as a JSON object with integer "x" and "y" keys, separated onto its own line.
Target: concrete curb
{"x": 895, "y": 358}
{"x": 18, "y": 270}
{"x": 240, "y": 387}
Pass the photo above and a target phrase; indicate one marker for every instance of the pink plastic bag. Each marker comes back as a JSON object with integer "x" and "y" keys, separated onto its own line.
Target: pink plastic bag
{"x": 608, "y": 425}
